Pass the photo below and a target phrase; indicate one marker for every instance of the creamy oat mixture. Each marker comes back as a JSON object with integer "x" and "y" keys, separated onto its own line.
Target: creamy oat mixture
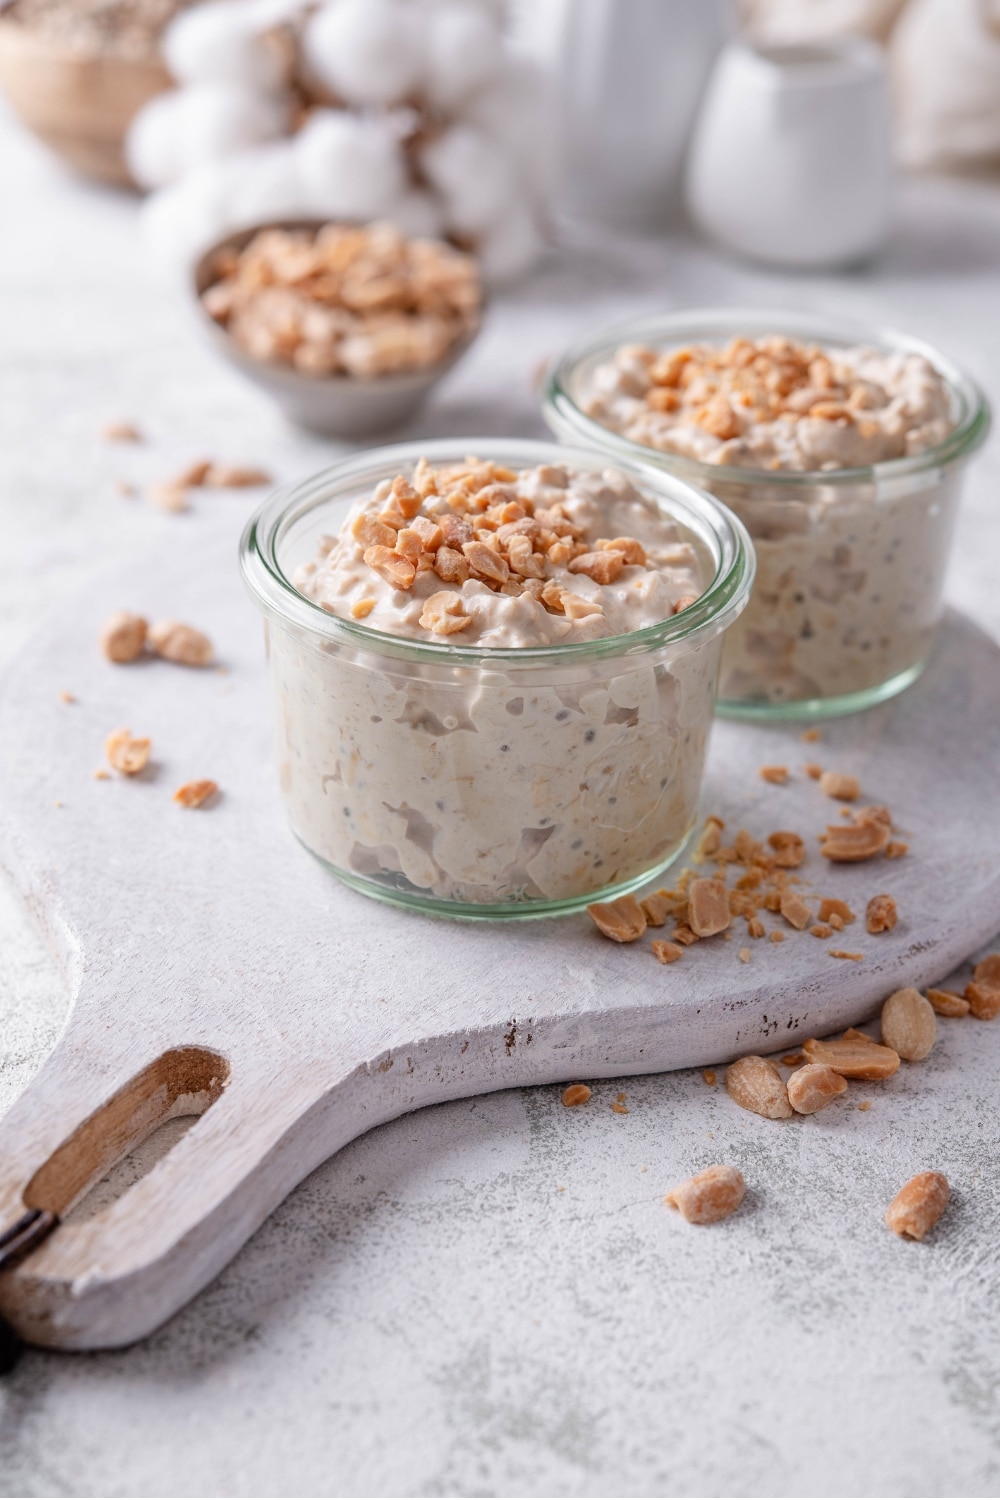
{"x": 850, "y": 575}
{"x": 542, "y": 557}
{"x": 773, "y": 404}
{"x": 510, "y": 783}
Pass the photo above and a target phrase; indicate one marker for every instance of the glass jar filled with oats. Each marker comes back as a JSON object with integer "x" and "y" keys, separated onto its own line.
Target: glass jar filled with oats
{"x": 842, "y": 450}
{"x": 494, "y": 676}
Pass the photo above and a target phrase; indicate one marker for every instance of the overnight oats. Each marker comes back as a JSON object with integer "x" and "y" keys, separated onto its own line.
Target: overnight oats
{"x": 494, "y": 677}
{"x": 842, "y": 454}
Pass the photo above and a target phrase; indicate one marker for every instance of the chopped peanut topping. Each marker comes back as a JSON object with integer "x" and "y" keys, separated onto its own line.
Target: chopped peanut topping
{"x": 894, "y": 849}
{"x": 666, "y": 953}
{"x": 710, "y": 1196}
{"x": 830, "y": 907}
{"x": 821, "y": 930}
{"x": 814, "y": 1086}
{"x": 794, "y": 910}
{"x": 855, "y": 958}
{"x": 987, "y": 971}
{"x": 362, "y": 608}
{"x": 622, "y": 920}
{"x": 444, "y": 613}
{"x": 813, "y": 770}
{"x": 852, "y": 843}
{"x": 397, "y": 571}
{"x": 656, "y": 908}
{"x": 602, "y": 567}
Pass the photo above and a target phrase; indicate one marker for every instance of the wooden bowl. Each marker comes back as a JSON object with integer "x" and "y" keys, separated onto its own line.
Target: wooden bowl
{"x": 79, "y": 104}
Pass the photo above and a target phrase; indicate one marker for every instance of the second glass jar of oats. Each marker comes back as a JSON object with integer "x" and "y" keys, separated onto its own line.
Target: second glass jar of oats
{"x": 842, "y": 450}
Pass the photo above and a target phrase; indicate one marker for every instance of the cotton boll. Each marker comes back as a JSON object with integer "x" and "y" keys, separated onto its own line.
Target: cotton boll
{"x": 517, "y": 111}
{"x": 267, "y": 13}
{"x": 464, "y": 51}
{"x": 154, "y": 145}
{"x": 177, "y": 132}
{"x": 419, "y": 215}
{"x": 511, "y": 246}
{"x": 264, "y": 185}
{"x": 351, "y": 166}
{"x": 218, "y": 43}
{"x": 181, "y": 222}
{"x": 369, "y": 52}
{"x": 475, "y": 176}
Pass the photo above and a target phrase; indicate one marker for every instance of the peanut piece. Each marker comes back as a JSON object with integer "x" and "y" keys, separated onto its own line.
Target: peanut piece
{"x": 755, "y": 1084}
{"x": 127, "y": 754}
{"x": 789, "y": 850}
{"x": 622, "y": 920}
{"x": 830, "y": 907}
{"x": 180, "y": 643}
{"x": 947, "y": 1004}
{"x": 656, "y": 909}
{"x": 487, "y": 563}
{"x": 918, "y": 1205}
{"x": 987, "y": 971}
{"x": 844, "y": 788}
{"x": 708, "y": 1197}
{"x": 849, "y": 844}
{"x": 776, "y": 775}
{"x": 195, "y": 793}
{"x": 814, "y": 1086}
{"x": 576, "y": 1094}
{"x": 908, "y": 1024}
{"x": 881, "y": 914}
{"x": 853, "y": 1057}
{"x": 666, "y": 953}
{"x": 123, "y": 636}
{"x": 984, "y": 1000}
{"x": 794, "y": 910}
{"x": 708, "y": 907}
{"x": 602, "y": 567}
{"x": 370, "y": 532}
{"x": 450, "y": 565}
{"x": 398, "y": 572}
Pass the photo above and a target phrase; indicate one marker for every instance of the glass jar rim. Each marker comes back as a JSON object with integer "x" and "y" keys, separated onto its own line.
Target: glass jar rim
{"x": 563, "y": 414}
{"x": 711, "y": 521}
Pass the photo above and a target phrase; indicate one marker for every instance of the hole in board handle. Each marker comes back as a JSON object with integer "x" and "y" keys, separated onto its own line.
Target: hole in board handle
{"x": 183, "y": 1081}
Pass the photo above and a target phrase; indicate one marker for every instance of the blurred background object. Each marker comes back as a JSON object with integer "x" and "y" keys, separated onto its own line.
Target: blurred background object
{"x": 944, "y": 66}
{"x": 416, "y": 111}
{"x": 629, "y": 75}
{"x": 78, "y": 71}
{"x": 791, "y": 161}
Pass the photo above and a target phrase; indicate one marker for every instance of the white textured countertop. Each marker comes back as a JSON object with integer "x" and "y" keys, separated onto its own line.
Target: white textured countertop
{"x": 489, "y": 1297}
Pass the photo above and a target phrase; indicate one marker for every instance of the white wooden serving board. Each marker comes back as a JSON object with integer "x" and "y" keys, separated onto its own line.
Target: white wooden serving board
{"x": 209, "y": 946}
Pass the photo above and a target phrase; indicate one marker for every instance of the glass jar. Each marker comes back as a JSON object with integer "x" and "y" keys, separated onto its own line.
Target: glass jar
{"x": 480, "y": 781}
{"x": 850, "y": 562}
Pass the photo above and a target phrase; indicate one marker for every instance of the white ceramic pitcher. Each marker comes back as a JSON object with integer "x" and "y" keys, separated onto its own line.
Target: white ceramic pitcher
{"x": 791, "y": 159}
{"x": 630, "y": 74}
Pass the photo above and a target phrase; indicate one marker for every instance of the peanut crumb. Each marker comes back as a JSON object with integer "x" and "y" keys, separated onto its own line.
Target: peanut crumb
{"x": 821, "y": 930}
{"x": 123, "y": 637}
{"x": 708, "y": 907}
{"x": 684, "y": 935}
{"x": 709, "y": 1076}
{"x": 708, "y": 1197}
{"x": 776, "y": 775}
{"x": 794, "y": 910}
{"x": 776, "y": 936}
{"x": 895, "y": 849}
{"x": 843, "y": 788}
{"x": 179, "y": 643}
{"x": 841, "y": 953}
{"x": 666, "y": 953}
{"x": 793, "y": 1059}
{"x": 946, "y": 1003}
{"x": 362, "y": 608}
{"x": 744, "y": 955}
{"x": 811, "y": 736}
{"x": 755, "y": 928}
{"x": 864, "y": 1105}
{"x": 813, "y": 770}
{"x": 622, "y": 920}
{"x": 169, "y": 497}
{"x": 881, "y": 914}
{"x": 101, "y": 774}
{"x": 618, "y": 1108}
{"x": 233, "y": 477}
{"x": 66, "y": 697}
{"x": 121, "y": 432}
{"x": 577, "y": 1093}
{"x": 196, "y": 793}
{"x": 126, "y": 753}
{"x": 126, "y": 489}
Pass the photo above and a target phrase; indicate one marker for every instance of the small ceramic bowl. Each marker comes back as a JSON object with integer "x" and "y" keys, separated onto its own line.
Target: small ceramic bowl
{"x": 342, "y": 406}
